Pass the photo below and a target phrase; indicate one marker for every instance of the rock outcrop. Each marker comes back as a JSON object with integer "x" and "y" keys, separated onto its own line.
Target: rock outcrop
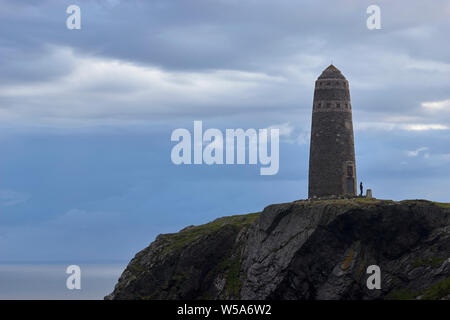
{"x": 301, "y": 250}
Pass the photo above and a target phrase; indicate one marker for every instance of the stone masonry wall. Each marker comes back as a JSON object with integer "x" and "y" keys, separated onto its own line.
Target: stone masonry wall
{"x": 332, "y": 168}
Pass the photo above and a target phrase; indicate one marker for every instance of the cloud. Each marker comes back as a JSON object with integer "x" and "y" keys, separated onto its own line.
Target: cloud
{"x": 9, "y": 198}
{"x": 423, "y": 127}
{"x": 445, "y": 156}
{"x": 415, "y": 153}
{"x": 285, "y": 129}
{"x": 292, "y": 134}
{"x": 389, "y": 126}
{"x": 427, "y": 65}
{"x": 219, "y": 59}
{"x": 99, "y": 89}
{"x": 437, "y": 105}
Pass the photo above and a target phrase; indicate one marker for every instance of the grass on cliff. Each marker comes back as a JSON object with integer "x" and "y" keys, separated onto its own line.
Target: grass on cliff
{"x": 352, "y": 201}
{"x": 364, "y": 200}
{"x": 435, "y": 292}
{"x": 231, "y": 268}
{"x": 433, "y": 262}
{"x": 186, "y": 236}
{"x": 402, "y": 294}
{"x": 442, "y": 204}
{"x": 438, "y": 290}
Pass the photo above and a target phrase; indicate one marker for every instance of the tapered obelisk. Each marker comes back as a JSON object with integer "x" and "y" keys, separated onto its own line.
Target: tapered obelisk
{"x": 332, "y": 167}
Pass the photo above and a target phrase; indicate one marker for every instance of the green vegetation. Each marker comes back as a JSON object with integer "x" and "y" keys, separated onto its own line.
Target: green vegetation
{"x": 135, "y": 267}
{"x": 233, "y": 284}
{"x": 177, "y": 241}
{"x": 207, "y": 296}
{"x": 367, "y": 200}
{"x": 347, "y": 201}
{"x": 402, "y": 294}
{"x": 415, "y": 201}
{"x": 442, "y": 204}
{"x": 435, "y": 292}
{"x": 364, "y": 200}
{"x": 434, "y": 262}
{"x": 438, "y": 290}
{"x": 179, "y": 277}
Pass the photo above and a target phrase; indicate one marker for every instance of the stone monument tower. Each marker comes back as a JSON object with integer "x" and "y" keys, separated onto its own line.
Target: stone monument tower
{"x": 332, "y": 167}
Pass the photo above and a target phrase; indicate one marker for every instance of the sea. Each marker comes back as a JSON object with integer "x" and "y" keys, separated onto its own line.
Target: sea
{"x": 47, "y": 281}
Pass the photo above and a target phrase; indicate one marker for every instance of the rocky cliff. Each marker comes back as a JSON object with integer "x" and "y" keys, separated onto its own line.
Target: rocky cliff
{"x": 301, "y": 250}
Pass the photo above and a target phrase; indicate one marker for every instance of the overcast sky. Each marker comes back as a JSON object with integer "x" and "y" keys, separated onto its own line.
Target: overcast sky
{"x": 86, "y": 115}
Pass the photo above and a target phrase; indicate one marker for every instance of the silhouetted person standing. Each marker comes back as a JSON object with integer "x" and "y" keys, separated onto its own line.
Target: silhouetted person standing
{"x": 361, "y": 188}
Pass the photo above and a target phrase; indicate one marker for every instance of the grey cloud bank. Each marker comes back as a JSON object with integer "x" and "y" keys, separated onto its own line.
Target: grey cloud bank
{"x": 140, "y": 60}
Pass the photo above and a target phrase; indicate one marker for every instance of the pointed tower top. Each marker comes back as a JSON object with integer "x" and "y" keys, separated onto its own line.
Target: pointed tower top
{"x": 331, "y": 73}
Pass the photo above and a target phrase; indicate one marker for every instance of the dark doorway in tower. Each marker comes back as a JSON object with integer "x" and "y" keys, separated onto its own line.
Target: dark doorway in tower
{"x": 350, "y": 180}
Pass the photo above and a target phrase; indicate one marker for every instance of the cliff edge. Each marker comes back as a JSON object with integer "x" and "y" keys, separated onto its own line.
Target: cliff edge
{"x": 301, "y": 250}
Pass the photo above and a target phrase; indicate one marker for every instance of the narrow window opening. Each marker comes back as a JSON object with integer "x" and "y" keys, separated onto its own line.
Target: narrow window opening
{"x": 350, "y": 171}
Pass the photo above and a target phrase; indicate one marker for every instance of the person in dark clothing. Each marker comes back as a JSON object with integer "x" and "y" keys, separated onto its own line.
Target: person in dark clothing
{"x": 361, "y": 188}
